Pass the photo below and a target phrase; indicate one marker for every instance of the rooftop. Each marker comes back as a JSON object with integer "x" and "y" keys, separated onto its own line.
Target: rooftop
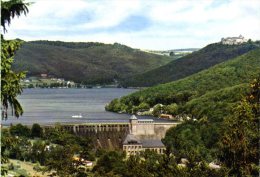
{"x": 131, "y": 139}
{"x": 145, "y": 120}
{"x": 133, "y": 117}
{"x": 152, "y": 143}
{"x": 146, "y": 143}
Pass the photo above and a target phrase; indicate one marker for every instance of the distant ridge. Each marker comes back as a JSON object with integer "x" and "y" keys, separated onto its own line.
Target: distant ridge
{"x": 85, "y": 62}
{"x": 190, "y": 64}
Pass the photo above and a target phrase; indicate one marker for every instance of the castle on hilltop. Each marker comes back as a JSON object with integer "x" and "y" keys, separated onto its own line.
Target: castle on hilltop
{"x": 234, "y": 40}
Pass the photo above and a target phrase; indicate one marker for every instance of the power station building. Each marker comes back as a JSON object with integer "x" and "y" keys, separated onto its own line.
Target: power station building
{"x": 142, "y": 137}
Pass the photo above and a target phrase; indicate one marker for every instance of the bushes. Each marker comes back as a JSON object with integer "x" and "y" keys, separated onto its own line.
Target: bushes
{"x": 36, "y": 131}
{"x": 24, "y": 131}
{"x": 20, "y": 130}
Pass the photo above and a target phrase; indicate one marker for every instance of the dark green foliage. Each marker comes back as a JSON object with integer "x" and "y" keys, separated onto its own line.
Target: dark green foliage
{"x": 60, "y": 159}
{"x": 190, "y": 64}
{"x": 172, "y": 53}
{"x": 205, "y": 93}
{"x": 239, "y": 144}
{"x": 38, "y": 152}
{"x": 208, "y": 96}
{"x": 20, "y": 130}
{"x": 7, "y": 142}
{"x": 90, "y": 63}
{"x": 73, "y": 45}
{"x": 20, "y": 149}
{"x": 193, "y": 136}
{"x": 235, "y": 142}
{"x": 216, "y": 104}
{"x": 36, "y": 131}
{"x": 152, "y": 164}
{"x": 10, "y": 80}
{"x": 10, "y": 9}
{"x": 55, "y": 149}
{"x": 111, "y": 161}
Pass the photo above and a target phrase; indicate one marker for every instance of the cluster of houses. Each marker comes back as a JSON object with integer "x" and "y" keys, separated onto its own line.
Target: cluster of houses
{"x": 45, "y": 80}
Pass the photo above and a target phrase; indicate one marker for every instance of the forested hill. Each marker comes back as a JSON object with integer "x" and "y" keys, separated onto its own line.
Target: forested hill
{"x": 90, "y": 63}
{"x": 190, "y": 64}
{"x": 209, "y": 93}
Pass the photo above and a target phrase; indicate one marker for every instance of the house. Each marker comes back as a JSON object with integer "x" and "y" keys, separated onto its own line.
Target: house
{"x": 86, "y": 163}
{"x": 134, "y": 146}
{"x": 44, "y": 75}
{"x": 166, "y": 116}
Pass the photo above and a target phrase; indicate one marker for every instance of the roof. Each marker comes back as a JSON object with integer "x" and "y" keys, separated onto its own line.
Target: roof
{"x": 145, "y": 120}
{"x": 131, "y": 139}
{"x": 152, "y": 143}
{"x": 133, "y": 117}
{"x": 232, "y": 38}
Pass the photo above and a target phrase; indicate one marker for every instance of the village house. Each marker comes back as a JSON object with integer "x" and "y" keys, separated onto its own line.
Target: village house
{"x": 44, "y": 75}
{"x": 166, "y": 116}
{"x": 86, "y": 163}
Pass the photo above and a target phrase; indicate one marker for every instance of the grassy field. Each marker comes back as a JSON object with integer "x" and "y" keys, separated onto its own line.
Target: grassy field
{"x": 24, "y": 168}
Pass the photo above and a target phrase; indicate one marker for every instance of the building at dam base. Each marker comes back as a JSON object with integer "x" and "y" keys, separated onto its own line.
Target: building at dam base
{"x": 133, "y": 136}
{"x": 133, "y": 145}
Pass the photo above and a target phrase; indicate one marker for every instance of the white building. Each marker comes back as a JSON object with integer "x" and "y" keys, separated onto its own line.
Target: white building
{"x": 234, "y": 40}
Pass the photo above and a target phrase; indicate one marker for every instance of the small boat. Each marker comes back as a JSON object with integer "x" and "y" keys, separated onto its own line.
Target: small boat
{"x": 77, "y": 116}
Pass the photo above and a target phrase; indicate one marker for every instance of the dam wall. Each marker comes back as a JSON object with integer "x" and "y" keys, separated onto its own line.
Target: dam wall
{"x": 104, "y": 135}
{"x": 111, "y": 135}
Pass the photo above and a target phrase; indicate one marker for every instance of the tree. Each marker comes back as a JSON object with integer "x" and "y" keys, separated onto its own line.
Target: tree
{"x": 10, "y": 81}
{"x": 60, "y": 159}
{"x": 10, "y": 9}
{"x": 7, "y": 142}
{"x": 239, "y": 145}
{"x": 172, "y": 54}
{"x": 20, "y": 130}
{"x": 110, "y": 162}
{"x": 172, "y": 109}
{"x": 38, "y": 152}
{"x": 36, "y": 131}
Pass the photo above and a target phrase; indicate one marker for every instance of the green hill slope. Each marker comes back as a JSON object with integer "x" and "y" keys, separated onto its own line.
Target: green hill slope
{"x": 90, "y": 63}
{"x": 210, "y": 93}
{"x": 190, "y": 64}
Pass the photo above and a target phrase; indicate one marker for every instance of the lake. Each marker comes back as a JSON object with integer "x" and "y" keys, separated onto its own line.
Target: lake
{"x": 48, "y": 106}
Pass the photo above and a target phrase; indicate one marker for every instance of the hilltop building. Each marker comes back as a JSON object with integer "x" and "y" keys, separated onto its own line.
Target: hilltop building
{"x": 234, "y": 40}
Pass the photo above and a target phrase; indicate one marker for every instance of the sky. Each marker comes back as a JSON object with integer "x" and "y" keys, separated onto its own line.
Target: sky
{"x": 144, "y": 24}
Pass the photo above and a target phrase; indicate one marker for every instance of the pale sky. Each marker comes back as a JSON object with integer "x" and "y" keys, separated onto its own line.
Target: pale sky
{"x": 145, "y": 24}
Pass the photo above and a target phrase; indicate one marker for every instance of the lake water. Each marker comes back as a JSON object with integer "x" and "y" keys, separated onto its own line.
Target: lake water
{"x": 48, "y": 106}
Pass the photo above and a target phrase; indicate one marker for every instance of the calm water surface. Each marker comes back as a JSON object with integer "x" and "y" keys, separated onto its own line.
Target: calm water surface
{"x": 48, "y": 106}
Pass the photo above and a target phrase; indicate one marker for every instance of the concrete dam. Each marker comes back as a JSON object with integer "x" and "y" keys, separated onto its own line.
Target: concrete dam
{"x": 110, "y": 135}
